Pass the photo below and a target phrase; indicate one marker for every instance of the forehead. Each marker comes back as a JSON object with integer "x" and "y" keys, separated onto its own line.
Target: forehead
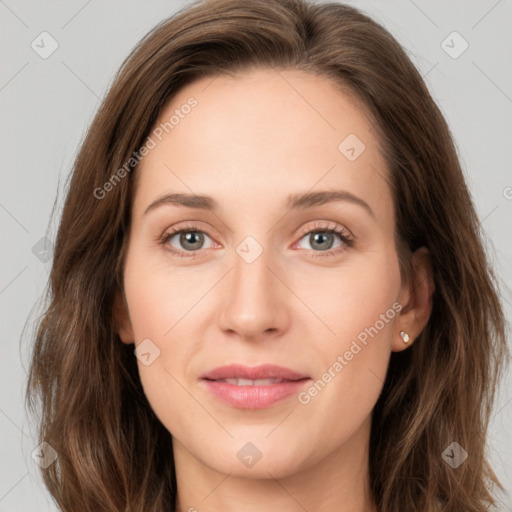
{"x": 262, "y": 131}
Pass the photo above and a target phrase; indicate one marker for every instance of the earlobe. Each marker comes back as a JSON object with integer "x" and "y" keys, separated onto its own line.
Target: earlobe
{"x": 417, "y": 302}
{"x": 123, "y": 324}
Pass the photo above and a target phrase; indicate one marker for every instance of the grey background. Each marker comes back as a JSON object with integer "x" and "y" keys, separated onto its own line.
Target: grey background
{"x": 47, "y": 104}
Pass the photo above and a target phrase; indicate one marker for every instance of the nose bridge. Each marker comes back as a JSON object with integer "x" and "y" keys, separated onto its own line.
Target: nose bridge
{"x": 253, "y": 303}
{"x": 251, "y": 270}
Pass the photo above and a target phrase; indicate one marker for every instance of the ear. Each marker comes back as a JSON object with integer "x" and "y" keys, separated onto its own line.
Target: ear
{"x": 416, "y": 300}
{"x": 123, "y": 325}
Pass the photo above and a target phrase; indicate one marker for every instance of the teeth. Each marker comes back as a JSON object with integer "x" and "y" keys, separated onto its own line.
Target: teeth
{"x": 250, "y": 382}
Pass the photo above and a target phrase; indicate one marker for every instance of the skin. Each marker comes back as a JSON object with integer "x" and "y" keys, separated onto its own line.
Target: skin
{"x": 251, "y": 141}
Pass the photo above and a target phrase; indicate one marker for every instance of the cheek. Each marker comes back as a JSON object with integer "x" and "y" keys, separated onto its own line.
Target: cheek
{"x": 157, "y": 304}
{"x": 160, "y": 295}
{"x": 360, "y": 314}
{"x": 354, "y": 296}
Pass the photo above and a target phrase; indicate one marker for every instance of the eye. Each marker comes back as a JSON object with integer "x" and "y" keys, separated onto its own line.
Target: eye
{"x": 190, "y": 239}
{"x": 322, "y": 239}
{"x": 187, "y": 241}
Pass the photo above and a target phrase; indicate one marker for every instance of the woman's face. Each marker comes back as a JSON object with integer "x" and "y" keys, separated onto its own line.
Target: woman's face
{"x": 252, "y": 283}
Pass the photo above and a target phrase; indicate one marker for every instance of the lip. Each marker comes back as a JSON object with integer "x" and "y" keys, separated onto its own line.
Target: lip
{"x": 254, "y": 397}
{"x": 264, "y": 371}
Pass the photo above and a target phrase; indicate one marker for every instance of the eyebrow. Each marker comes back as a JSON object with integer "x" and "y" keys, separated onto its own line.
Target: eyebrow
{"x": 294, "y": 201}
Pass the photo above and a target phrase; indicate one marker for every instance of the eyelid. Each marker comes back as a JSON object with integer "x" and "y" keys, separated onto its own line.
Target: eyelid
{"x": 324, "y": 225}
{"x": 187, "y": 226}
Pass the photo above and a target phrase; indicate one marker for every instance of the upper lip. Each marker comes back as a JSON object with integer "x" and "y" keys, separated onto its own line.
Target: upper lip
{"x": 265, "y": 371}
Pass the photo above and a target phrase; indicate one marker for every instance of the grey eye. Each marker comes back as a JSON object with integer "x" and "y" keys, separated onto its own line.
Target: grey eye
{"x": 189, "y": 240}
{"x": 321, "y": 240}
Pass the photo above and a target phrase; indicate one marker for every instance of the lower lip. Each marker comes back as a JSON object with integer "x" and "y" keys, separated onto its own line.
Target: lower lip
{"x": 254, "y": 397}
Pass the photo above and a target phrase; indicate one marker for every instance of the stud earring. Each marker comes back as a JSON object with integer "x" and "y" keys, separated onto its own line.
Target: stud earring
{"x": 405, "y": 336}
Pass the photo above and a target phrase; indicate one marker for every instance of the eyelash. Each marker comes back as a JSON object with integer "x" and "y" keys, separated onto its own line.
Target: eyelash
{"x": 346, "y": 239}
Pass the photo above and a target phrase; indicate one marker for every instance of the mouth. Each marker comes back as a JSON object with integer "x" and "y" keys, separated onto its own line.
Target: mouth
{"x": 260, "y": 372}
{"x": 252, "y": 382}
{"x": 259, "y": 387}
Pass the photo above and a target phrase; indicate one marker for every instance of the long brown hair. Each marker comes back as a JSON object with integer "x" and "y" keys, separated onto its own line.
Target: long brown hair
{"x": 113, "y": 452}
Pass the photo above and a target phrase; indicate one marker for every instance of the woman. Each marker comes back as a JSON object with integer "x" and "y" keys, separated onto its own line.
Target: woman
{"x": 269, "y": 289}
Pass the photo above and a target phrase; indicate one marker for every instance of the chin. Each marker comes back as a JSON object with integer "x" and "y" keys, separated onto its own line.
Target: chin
{"x": 256, "y": 457}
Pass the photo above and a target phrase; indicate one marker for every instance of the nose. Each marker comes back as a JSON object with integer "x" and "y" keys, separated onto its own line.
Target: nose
{"x": 254, "y": 299}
